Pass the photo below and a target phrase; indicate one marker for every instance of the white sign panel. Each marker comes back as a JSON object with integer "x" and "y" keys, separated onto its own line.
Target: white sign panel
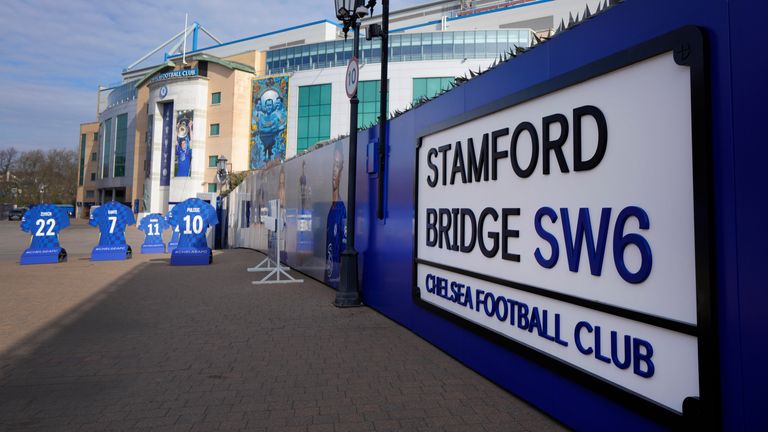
{"x": 578, "y": 203}
{"x": 352, "y": 77}
{"x": 640, "y": 357}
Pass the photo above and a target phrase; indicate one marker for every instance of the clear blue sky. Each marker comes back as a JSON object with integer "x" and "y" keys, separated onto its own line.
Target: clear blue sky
{"x": 54, "y": 54}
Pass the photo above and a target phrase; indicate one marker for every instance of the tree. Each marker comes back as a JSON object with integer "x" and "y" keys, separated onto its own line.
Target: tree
{"x": 7, "y": 159}
{"x": 55, "y": 171}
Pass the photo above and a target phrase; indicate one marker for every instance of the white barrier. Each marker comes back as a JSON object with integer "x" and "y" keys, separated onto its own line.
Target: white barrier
{"x": 274, "y": 223}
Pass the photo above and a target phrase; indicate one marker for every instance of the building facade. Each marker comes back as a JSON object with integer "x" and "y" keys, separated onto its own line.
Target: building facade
{"x": 118, "y": 113}
{"x": 274, "y": 95}
{"x": 195, "y": 113}
{"x": 88, "y": 165}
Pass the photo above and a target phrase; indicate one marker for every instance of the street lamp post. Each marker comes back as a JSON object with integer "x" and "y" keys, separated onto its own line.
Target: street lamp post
{"x": 349, "y": 12}
{"x": 222, "y": 175}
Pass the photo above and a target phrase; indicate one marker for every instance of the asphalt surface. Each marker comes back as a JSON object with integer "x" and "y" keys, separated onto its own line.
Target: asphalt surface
{"x": 140, "y": 345}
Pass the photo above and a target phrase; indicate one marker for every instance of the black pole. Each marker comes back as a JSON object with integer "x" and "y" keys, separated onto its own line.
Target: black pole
{"x": 383, "y": 106}
{"x": 348, "y": 294}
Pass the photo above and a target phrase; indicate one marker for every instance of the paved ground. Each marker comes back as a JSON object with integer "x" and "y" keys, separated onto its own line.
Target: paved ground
{"x": 140, "y": 345}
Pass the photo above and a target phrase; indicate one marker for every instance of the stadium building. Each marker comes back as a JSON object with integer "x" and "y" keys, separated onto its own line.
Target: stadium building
{"x": 274, "y": 95}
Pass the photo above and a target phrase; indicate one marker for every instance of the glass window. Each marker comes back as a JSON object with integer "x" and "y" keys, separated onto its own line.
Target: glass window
{"x": 480, "y": 47}
{"x": 82, "y": 159}
{"x": 215, "y": 98}
{"x": 402, "y": 47}
{"x": 416, "y": 47}
{"x": 469, "y": 45}
{"x": 396, "y": 50}
{"x": 491, "y": 46}
{"x": 369, "y": 93}
{"x": 429, "y": 87}
{"x": 93, "y": 176}
{"x": 405, "y": 42}
{"x": 94, "y": 156}
{"x": 448, "y": 45}
{"x": 214, "y": 129}
{"x": 375, "y": 51}
{"x": 213, "y": 161}
{"x": 106, "y": 148}
{"x": 321, "y": 55}
{"x": 89, "y": 194}
{"x": 212, "y": 187}
{"x": 95, "y": 137}
{"x": 314, "y": 120}
{"x": 121, "y": 139}
{"x": 313, "y": 55}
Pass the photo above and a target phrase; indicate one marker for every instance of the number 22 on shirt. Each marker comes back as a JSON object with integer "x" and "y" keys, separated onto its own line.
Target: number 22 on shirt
{"x": 41, "y": 224}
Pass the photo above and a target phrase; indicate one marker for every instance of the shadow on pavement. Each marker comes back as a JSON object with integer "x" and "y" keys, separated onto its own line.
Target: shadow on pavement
{"x": 200, "y": 348}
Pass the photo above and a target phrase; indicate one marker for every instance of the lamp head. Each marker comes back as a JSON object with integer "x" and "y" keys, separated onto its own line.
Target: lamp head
{"x": 221, "y": 164}
{"x": 343, "y": 9}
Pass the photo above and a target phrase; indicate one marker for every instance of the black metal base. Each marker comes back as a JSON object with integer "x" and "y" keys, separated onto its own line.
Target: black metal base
{"x": 348, "y": 294}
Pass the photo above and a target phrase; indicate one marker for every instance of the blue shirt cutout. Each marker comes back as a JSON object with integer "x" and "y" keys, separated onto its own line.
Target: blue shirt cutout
{"x": 112, "y": 218}
{"x": 44, "y": 221}
{"x": 193, "y": 217}
{"x": 153, "y": 226}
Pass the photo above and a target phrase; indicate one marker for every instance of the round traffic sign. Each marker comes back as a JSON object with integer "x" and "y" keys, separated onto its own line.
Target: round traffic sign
{"x": 353, "y": 72}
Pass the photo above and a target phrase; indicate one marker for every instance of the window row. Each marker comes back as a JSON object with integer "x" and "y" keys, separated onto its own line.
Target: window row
{"x": 113, "y": 146}
{"x": 402, "y": 47}
{"x": 314, "y": 112}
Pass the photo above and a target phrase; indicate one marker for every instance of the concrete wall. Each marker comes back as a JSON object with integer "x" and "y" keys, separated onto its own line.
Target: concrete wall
{"x": 90, "y": 166}
{"x": 241, "y": 119}
{"x": 139, "y": 147}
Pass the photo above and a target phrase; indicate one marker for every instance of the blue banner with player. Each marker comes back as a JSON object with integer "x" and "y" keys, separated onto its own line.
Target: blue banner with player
{"x": 153, "y": 226}
{"x": 336, "y": 223}
{"x": 192, "y": 218}
{"x": 183, "y": 164}
{"x": 44, "y": 222}
{"x": 269, "y": 120}
{"x": 111, "y": 219}
{"x": 165, "y": 149}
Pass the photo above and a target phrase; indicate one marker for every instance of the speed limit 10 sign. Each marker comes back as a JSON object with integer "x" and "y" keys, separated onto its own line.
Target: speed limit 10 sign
{"x": 353, "y": 72}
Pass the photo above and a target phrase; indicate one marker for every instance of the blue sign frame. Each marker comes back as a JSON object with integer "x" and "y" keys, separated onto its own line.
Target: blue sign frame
{"x": 688, "y": 46}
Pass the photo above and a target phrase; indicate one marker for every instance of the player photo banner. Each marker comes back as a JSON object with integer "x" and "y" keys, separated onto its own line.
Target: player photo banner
{"x": 311, "y": 190}
{"x": 183, "y": 148}
{"x": 268, "y": 122}
{"x": 165, "y": 149}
